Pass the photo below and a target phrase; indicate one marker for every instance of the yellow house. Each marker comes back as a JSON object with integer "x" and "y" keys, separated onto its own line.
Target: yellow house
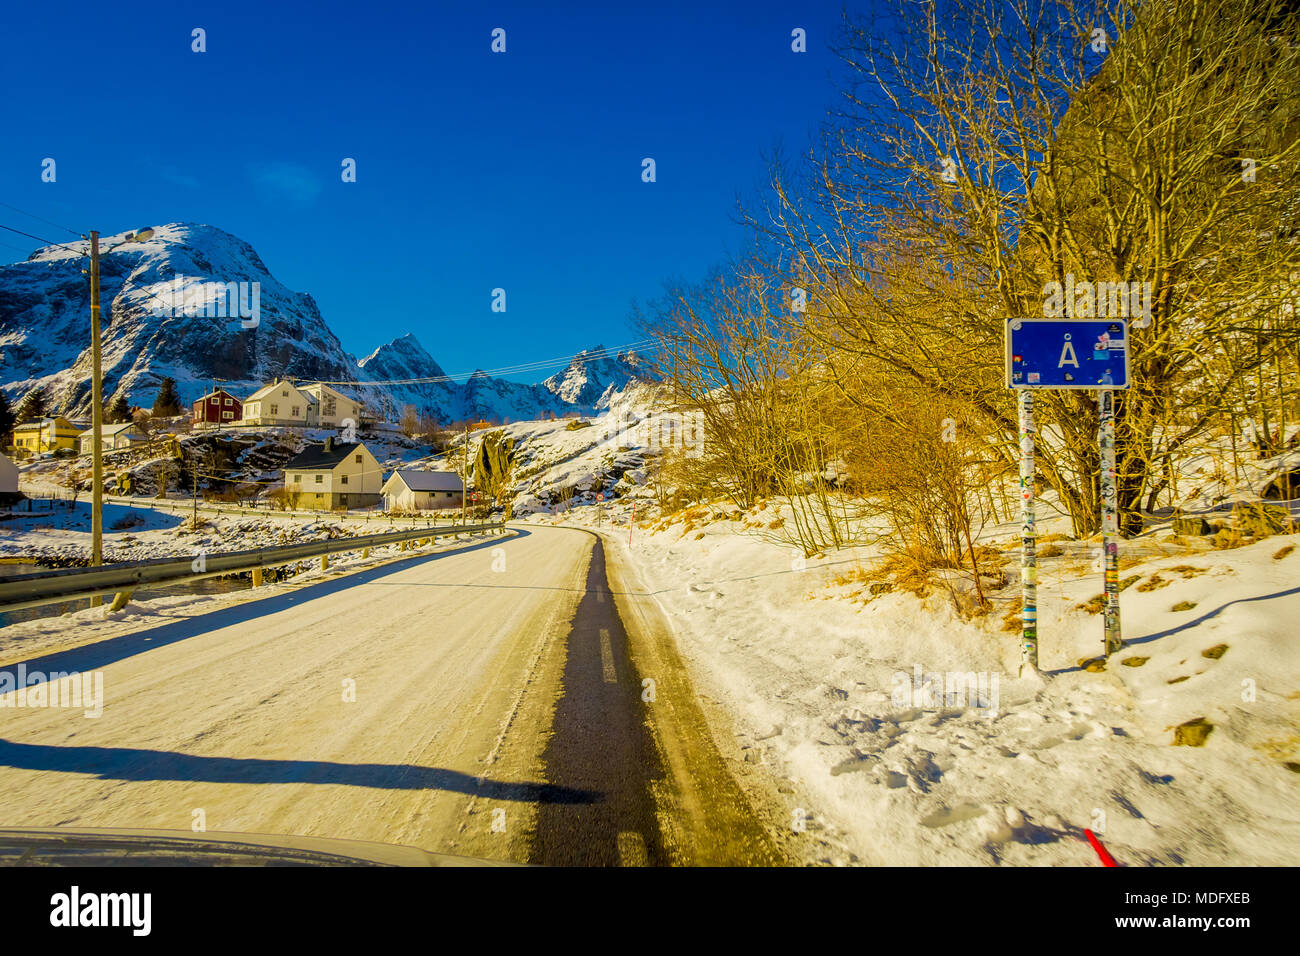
{"x": 46, "y": 434}
{"x": 335, "y": 475}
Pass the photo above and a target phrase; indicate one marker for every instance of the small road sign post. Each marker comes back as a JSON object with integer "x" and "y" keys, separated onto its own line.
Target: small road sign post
{"x": 1109, "y": 519}
{"x": 1073, "y": 353}
{"x": 1028, "y": 537}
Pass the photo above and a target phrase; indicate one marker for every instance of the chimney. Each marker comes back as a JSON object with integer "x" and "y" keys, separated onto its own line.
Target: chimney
{"x": 329, "y": 445}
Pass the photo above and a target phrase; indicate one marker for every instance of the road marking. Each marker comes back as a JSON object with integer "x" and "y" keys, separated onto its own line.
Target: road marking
{"x": 607, "y": 658}
{"x": 631, "y": 849}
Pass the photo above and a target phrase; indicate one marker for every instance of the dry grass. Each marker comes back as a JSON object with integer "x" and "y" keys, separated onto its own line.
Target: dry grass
{"x": 1194, "y": 733}
{"x": 1094, "y": 605}
{"x": 1225, "y": 539}
{"x": 1284, "y": 552}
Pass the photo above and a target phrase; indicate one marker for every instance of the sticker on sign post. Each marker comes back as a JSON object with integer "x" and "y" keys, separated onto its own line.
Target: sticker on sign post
{"x": 1067, "y": 353}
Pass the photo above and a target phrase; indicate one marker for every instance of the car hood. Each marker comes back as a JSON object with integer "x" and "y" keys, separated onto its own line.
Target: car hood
{"x": 67, "y": 846}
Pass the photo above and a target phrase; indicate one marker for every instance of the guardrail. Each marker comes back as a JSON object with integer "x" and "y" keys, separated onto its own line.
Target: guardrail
{"x": 49, "y": 587}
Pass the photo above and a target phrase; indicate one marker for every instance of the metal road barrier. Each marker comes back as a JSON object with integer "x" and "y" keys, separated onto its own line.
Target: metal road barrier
{"x": 48, "y": 587}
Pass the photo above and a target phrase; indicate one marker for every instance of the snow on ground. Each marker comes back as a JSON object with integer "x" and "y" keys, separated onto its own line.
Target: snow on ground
{"x": 833, "y": 689}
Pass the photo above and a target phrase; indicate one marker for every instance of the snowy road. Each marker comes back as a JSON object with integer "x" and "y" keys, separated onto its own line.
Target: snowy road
{"x": 480, "y": 702}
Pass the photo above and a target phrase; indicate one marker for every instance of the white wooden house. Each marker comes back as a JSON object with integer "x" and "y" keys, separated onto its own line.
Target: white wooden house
{"x": 409, "y": 490}
{"x": 280, "y": 403}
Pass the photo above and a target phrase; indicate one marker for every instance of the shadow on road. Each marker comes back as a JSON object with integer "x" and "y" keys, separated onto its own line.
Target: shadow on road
{"x": 127, "y": 763}
{"x": 599, "y": 740}
{"x": 91, "y": 657}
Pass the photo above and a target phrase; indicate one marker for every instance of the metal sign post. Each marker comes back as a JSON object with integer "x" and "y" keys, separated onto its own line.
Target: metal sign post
{"x": 1071, "y": 353}
{"x": 1109, "y": 519}
{"x": 1028, "y": 541}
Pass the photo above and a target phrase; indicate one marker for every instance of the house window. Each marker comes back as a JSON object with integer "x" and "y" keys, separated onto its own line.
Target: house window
{"x": 358, "y": 459}
{"x": 284, "y": 394}
{"x": 320, "y": 479}
{"x": 293, "y": 412}
{"x": 214, "y": 401}
{"x": 297, "y": 479}
{"x": 344, "y": 479}
{"x": 227, "y": 415}
{"x": 275, "y": 409}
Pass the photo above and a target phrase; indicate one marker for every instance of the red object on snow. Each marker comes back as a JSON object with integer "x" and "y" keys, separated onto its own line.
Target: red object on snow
{"x": 1106, "y": 858}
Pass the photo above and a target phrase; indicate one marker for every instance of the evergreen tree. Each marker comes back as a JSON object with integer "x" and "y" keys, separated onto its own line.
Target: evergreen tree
{"x": 168, "y": 402}
{"x": 7, "y": 420}
{"x": 118, "y": 411}
{"x": 32, "y": 406}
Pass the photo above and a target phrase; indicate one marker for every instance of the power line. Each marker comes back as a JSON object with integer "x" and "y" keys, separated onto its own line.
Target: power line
{"x": 48, "y": 242}
{"x": 127, "y": 282}
{"x": 39, "y": 219}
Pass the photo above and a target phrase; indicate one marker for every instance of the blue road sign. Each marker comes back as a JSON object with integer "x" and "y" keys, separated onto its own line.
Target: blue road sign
{"x": 1067, "y": 353}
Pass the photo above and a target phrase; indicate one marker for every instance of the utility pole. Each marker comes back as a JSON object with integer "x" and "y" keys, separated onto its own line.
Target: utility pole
{"x": 96, "y": 419}
{"x": 464, "y": 481}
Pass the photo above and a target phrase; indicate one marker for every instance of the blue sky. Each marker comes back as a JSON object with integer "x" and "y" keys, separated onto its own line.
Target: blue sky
{"x": 475, "y": 170}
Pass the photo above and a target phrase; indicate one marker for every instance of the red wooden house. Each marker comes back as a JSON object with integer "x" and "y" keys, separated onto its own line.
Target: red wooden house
{"x": 218, "y": 407}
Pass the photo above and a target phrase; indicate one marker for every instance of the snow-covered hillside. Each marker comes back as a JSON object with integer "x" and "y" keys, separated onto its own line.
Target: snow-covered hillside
{"x": 566, "y": 463}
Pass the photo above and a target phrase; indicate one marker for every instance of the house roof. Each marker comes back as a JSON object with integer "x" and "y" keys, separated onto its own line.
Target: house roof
{"x": 316, "y": 388}
{"x": 52, "y": 421}
{"x": 322, "y": 456}
{"x": 266, "y": 390}
{"x": 428, "y": 480}
{"x": 106, "y": 430}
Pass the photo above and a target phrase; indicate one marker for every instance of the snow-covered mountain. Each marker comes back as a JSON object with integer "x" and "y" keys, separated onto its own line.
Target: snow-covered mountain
{"x": 148, "y": 291}
{"x": 591, "y": 375}
{"x": 160, "y": 320}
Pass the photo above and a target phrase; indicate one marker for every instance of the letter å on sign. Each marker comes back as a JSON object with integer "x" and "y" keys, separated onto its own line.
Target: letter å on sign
{"x": 1067, "y": 353}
